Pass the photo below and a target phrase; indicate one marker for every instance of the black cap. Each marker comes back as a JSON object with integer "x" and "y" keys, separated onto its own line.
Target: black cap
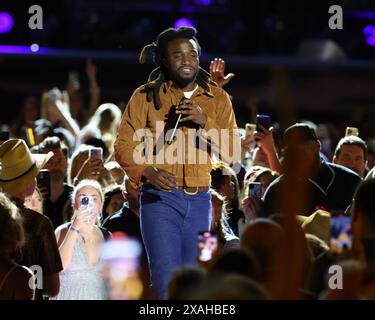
{"x": 299, "y": 133}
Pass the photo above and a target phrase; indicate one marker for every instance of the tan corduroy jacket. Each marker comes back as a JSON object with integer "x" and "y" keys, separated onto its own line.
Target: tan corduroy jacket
{"x": 141, "y": 141}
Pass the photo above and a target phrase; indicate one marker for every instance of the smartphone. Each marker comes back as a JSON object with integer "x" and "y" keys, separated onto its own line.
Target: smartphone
{"x": 351, "y": 131}
{"x": 264, "y": 120}
{"x": 120, "y": 266}
{"x": 4, "y": 136}
{"x": 255, "y": 190}
{"x": 207, "y": 245}
{"x": 87, "y": 202}
{"x": 341, "y": 234}
{"x": 96, "y": 153}
{"x": 250, "y": 128}
{"x": 44, "y": 181}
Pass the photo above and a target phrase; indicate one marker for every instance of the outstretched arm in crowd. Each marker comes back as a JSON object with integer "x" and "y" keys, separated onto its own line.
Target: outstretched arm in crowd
{"x": 93, "y": 87}
{"x": 65, "y": 116}
{"x": 265, "y": 142}
{"x": 93, "y": 169}
{"x": 66, "y": 239}
{"x": 247, "y": 143}
{"x": 67, "y": 236}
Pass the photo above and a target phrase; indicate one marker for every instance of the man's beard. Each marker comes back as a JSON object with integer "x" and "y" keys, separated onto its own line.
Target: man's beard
{"x": 180, "y": 81}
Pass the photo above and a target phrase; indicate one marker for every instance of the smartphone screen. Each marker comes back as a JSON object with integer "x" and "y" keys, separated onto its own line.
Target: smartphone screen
{"x": 44, "y": 181}
{"x": 264, "y": 120}
{"x": 341, "y": 234}
{"x": 255, "y": 190}
{"x": 120, "y": 265}
{"x": 207, "y": 245}
{"x": 250, "y": 128}
{"x": 96, "y": 153}
{"x": 87, "y": 202}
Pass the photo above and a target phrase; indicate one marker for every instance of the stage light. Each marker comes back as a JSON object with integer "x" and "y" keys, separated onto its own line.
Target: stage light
{"x": 183, "y": 22}
{"x": 369, "y": 32}
{"x": 34, "y": 47}
{"x": 6, "y": 22}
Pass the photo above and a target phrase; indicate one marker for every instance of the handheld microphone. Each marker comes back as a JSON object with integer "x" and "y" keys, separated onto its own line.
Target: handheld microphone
{"x": 172, "y": 136}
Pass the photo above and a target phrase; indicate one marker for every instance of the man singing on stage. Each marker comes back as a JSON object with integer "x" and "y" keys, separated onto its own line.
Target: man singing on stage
{"x": 173, "y": 175}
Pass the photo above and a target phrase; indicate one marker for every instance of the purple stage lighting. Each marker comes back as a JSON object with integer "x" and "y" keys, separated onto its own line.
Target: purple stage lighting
{"x": 6, "y": 22}
{"x": 33, "y": 49}
{"x": 369, "y": 32}
{"x": 183, "y": 22}
{"x": 203, "y": 2}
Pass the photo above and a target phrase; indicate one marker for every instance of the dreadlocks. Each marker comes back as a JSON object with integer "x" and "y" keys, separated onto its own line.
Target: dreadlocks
{"x": 159, "y": 75}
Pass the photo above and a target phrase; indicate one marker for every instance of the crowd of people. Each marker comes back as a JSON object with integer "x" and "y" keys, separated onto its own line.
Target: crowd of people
{"x": 273, "y": 244}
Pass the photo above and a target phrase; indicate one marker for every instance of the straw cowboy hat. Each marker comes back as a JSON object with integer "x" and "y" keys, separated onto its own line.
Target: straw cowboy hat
{"x": 318, "y": 224}
{"x": 18, "y": 166}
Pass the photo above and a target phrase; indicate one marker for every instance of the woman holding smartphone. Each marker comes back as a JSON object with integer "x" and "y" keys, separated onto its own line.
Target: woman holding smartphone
{"x": 79, "y": 244}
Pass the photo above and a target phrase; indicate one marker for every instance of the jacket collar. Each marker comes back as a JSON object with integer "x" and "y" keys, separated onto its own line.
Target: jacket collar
{"x": 171, "y": 86}
{"x": 324, "y": 178}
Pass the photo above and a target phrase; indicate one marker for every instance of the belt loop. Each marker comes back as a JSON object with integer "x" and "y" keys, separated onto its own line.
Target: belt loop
{"x": 191, "y": 193}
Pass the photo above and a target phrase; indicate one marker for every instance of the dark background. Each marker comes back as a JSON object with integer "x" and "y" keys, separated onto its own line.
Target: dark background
{"x": 261, "y": 41}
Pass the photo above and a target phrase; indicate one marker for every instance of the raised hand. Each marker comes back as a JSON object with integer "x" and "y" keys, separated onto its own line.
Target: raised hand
{"x": 217, "y": 70}
{"x": 92, "y": 168}
{"x": 264, "y": 140}
{"x": 82, "y": 219}
{"x": 247, "y": 141}
{"x": 90, "y": 69}
{"x": 250, "y": 208}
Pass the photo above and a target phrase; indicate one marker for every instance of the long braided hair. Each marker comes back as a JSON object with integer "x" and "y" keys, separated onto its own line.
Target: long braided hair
{"x": 160, "y": 74}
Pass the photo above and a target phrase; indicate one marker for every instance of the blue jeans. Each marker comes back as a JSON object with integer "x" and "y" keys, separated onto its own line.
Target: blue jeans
{"x": 170, "y": 223}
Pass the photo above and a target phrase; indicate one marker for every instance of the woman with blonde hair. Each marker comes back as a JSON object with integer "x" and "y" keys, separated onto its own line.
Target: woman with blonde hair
{"x": 105, "y": 121}
{"x": 79, "y": 244}
{"x": 16, "y": 281}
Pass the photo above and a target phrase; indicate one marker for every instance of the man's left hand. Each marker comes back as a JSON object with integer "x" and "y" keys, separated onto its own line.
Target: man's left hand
{"x": 193, "y": 112}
